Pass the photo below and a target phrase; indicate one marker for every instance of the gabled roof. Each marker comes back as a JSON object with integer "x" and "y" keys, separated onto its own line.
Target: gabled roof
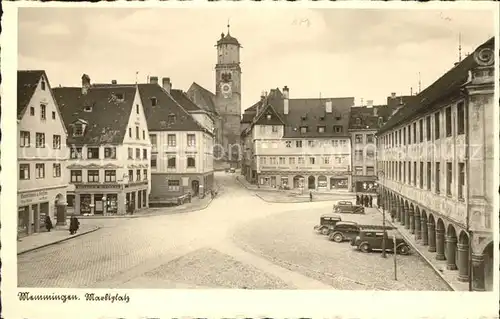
{"x": 27, "y": 82}
{"x": 184, "y": 100}
{"x": 202, "y": 97}
{"x": 275, "y": 118}
{"x": 108, "y": 120}
{"x": 369, "y": 117}
{"x": 448, "y": 84}
{"x": 157, "y": 116}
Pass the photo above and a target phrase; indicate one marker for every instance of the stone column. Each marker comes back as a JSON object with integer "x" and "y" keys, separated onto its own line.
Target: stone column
{"x": 92, "y": 204}
{"x": 431, "y": 229}
{"x": 478, "y": 272}
{"x": 31, "y": 218}
{"x": 398, "y": 213}
{"x": 440, "y": 244}
{"x": 412, "y": 221}
{"x": 406, "y": 217}
{"x": 451, "y": 250}
{"x": 418, "y": 235}
{"x": 424, "y": 231}
{"x": 463, "y": 262}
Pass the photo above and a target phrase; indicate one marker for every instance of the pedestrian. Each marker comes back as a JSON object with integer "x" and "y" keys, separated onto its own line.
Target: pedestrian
{"x": 371, "y": 201}
{"x": 357, "y": 199}
{"x": 48, "y": 223}
{"x": 310, "y": 196}
{"x": 132, "y": 208}
{"x": 366, "y": 200}
{"x": 74, "y": 224}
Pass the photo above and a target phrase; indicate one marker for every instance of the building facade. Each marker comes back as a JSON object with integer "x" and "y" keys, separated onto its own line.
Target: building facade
{"x": 181, "y": 135}
{"x": 298, "y": 143}
{"x": 226, "y": 102}
{"x": 42, "y": 154}
{"x": 363, "y": 125}
{"x": 108, "y": 168}
{"x": 436, "y": 156}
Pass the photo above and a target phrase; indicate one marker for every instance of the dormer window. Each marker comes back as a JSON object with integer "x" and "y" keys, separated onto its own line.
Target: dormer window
{"x": 171, "y": 119}
{"x": 337, "y": 128}
{"x": 153, "y": 101}
{"x": 321, "y": 118}
{"x": 338, "y": 117}
{"x": 268, "y": 116}
{"x": 358, "y": 121}
{"x": 303, "y": 129}
{"x": 304, "y": 117}
{"x": 321, "y": 129}
{"x": 119, "y": 96}
{"x": 87, "y": 108}
{"x": 78, "y": 130}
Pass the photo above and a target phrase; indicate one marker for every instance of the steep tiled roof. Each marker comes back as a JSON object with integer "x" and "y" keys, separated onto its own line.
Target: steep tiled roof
{"x": 369, "y": 116}
{"x": 27, "y": 82}
{"x": 157, "y": 116}
{"x": 202, "y": 97}
{"x": 310, "y": 113}
{"x": 442, "y": 88}
{"x": 184, "y": 100}
{"x": 108, "y": 120}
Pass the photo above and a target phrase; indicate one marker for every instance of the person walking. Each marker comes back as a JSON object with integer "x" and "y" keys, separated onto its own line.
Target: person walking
{"x": 74, "y": 224}
{"x": 362, "y": 200}
{"x": 48, "y": 223}
{"x": 310, "y": 196}
{"x": 367, "y": 199}
{"x": 371, "y": 201}
{"x": 357, "y": 199}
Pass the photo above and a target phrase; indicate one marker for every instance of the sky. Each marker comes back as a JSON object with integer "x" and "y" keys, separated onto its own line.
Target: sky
{"x": 366, "y": 54}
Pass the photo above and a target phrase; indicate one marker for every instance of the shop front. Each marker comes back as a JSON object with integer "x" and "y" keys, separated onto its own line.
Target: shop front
{"x": 98, "y": 200}
{"x": 341, "y": 183}
{"x": 34, "y": 206}
{"x": 366, "y": 186}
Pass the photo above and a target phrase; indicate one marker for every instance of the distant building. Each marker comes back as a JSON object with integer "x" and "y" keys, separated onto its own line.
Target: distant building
{"x": 297, "y": 143}
{"x": 109, "y": 170}
{"x": 363, "y": 125}
{"x": 436, "y": 156}
{"x": 181, "y": 135}
{"x": 226, "y": 102}
{"x": 41, "y": 154}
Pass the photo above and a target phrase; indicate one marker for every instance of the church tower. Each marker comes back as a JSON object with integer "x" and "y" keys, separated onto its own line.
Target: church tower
{"x": 228, "y": 94}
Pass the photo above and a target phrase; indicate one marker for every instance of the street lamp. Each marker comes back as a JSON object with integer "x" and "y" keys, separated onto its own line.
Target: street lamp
{"x": 382, "y": 175}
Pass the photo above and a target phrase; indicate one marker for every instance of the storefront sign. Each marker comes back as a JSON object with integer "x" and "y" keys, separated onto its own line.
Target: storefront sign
{"x": 33, "y": 197}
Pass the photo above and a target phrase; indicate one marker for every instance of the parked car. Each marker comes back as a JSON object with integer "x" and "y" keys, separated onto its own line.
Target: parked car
{"x": 346, "y": 207}
{"x": 371, "y": 239}
{"x": 347, "y": 230}
{"x": 232, "y": 170}
{"x": 326, "y": 222}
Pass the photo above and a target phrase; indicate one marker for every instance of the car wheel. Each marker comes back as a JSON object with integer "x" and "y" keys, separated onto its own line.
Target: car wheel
{"x": 324, "y": 231}
{"x": 364, "y": 248}
{"x": 338, "y": 238}
{"x": 404, "y": 250}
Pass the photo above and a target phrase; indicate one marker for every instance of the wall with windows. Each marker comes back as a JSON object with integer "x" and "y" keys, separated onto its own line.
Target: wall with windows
{"x": 364, "y": 153}
{"x": 42, "y": 150}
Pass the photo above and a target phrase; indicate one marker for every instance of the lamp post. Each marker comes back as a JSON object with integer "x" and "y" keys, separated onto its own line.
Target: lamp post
{"x": 381, "y": 174}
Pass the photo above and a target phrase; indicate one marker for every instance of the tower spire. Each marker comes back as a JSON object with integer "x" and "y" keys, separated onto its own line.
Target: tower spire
{"x": 228, "y": 26}
{"x": 459, "y": 47}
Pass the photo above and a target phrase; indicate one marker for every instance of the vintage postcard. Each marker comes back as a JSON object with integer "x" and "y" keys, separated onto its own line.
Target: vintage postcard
{"x": 253, "y": 160}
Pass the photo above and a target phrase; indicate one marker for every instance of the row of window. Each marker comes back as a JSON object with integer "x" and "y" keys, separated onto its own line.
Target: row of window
{"x": 137, "y": 153}
{"x": 303, "y": 129}
{"x": 172, "y": 140}
{"x": 370, "y": 170}
{"x": 358, "y": 154}
{"x": 43, "y": 112}
{"x": 310, "y": 144}
{"x": 358, "y": 138}
{"x": 93, "y": 176}
{"x": 408, "y": 135}
{"x": 172, "y": 161}
{"x": 25, "y": 171}
{"x": 325, "y": 160}
{"x": 25, "y": 140}
{"x": 398, "y": 171}
{"x": 137, "y": 131}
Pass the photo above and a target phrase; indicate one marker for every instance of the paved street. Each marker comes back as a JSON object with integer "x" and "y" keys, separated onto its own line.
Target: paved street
{"x": 239, "y": 241}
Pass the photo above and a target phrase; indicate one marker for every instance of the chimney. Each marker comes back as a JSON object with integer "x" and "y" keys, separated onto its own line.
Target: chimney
{"x": 167, "y": 85}
{"x": 328, "y": 107}
{"x": 375, "y": 111}
{"x": 113, "y": 82}
{"x": 369, "y": 103}
{"x": 153, "y": 80}
{"x": 85, "y": 84}
{"x": 286, "y": 101}
{"x": 393, "y": 95}
{"x": 286, "y": 92}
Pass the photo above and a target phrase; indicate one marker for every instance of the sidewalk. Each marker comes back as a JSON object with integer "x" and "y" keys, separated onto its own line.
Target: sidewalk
{"x": 294, "y": 198}
{"x": 195, "y": 205}
{"x": 439, "y": 266}
{"x": 57, "y": 235}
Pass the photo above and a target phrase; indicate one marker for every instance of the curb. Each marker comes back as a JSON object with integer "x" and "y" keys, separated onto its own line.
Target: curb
{"x": 60, "y": 241}
{"x": 412, "y": 243}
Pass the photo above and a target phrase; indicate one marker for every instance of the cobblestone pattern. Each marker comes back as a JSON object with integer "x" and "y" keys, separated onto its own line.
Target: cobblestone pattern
{"x": 291, "y": 242}
{"x": 209, "y": 268}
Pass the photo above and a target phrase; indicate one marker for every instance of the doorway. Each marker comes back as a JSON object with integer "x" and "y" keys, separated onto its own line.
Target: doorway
{"x": 311, "y": 181}
{"x": 195, "y": 186}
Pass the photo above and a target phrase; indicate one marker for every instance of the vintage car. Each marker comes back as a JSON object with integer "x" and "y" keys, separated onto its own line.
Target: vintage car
{"x": 326, "y": 222}
{"x": 347, "y": 230}
{"x": 346, "y": 207}
{"x": 232, "y": 170}
{"x": 371, "y": 239}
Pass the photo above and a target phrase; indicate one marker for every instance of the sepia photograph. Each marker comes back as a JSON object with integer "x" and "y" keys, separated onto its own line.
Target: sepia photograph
{"x": 347, "y": 149}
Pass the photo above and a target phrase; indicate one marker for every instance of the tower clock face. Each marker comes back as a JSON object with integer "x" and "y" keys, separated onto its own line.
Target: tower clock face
{"x": 226, "y": 90}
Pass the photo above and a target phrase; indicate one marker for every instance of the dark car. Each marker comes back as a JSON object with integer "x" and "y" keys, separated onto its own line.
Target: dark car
{"x": 371, "y": 239}
{"x": 326, "y": 222}
{"x": 347, "y": 230}
{"x": 346, "y": 207}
